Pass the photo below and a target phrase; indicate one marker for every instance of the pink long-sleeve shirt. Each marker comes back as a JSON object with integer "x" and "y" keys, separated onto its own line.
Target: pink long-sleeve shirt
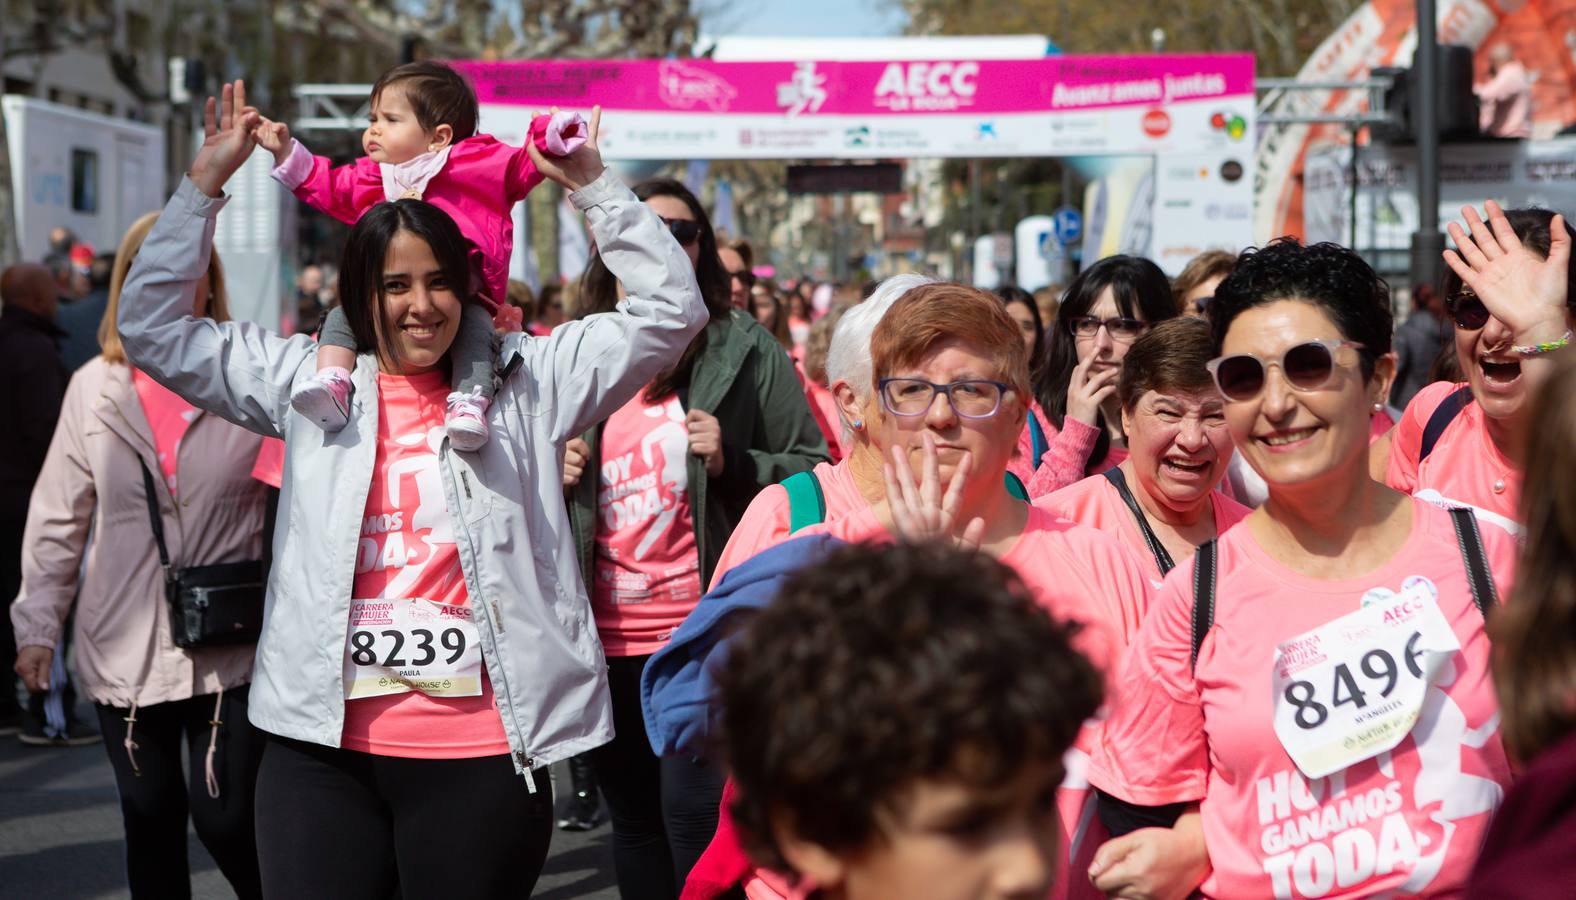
{"x": 478, "y": 187}
{"x": 1066, "y": 457}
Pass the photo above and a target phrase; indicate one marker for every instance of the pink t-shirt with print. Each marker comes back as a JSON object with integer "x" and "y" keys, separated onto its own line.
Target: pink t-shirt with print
{"x": 270, "y": 465}
{"x": 1078, "y": 574}
{"x": 407, "y": 550}
{"x": 766, "y": 523}
{"x": 1465, "y": 467}
{"x": 1409, "y": 820}
{"x": 1095, "y": 502}
{"x": 169, "y": 416}
{"x": 646, "y": 571}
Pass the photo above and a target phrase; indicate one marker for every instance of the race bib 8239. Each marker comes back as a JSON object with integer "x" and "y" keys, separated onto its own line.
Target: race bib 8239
{"x": 394, "y": 646}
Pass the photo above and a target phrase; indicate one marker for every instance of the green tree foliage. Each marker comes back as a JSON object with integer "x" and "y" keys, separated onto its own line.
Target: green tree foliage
{"x": 1281, "y": 33}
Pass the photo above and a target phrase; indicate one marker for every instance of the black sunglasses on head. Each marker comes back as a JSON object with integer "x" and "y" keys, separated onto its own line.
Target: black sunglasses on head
{"x": 685, "y": 231}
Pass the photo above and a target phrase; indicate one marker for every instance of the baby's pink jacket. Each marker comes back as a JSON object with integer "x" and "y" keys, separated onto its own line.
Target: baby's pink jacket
{"x": 478, "y": 187}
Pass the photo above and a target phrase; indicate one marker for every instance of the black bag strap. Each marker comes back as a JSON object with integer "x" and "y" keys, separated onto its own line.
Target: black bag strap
{"x": 154, "y": 517}
{"x": 270, "y": 517}
{"x": 1479, "y": 579}
{"x": 1203, "y": 597}
{"x": 1440, "y": 419}
{"x": 1162, "y": 557}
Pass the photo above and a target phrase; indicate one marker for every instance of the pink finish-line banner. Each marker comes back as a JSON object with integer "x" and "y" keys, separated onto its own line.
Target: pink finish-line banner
{"x": 909, "y": 88}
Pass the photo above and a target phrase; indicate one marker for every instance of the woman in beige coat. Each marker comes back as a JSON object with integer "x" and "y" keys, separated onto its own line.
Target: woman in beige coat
{"x": 89, "y": 543}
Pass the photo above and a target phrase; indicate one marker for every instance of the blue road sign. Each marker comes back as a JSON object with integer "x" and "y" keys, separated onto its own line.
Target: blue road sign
{"x": 1068, "y": 223}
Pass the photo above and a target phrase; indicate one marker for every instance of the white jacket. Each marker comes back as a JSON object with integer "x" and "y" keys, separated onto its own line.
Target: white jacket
{"x": 539, "y": 640}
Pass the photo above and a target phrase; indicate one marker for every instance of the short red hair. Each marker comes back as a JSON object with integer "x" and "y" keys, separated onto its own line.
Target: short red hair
{"x": 932, "y": 313}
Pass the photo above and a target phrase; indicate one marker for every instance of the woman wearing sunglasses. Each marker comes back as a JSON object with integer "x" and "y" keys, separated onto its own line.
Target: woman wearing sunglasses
{"x": 1162, "y": 500}
{"x": 1311, "y": 691}
{"x": 1458, "y": 444}
{"x": 653, "y": 493}
{"x": 1077, "y": 427}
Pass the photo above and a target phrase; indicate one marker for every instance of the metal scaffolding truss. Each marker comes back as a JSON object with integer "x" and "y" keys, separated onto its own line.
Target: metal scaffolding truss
{"x": 1279, "y": 90}
{"x": 323, "y": 107}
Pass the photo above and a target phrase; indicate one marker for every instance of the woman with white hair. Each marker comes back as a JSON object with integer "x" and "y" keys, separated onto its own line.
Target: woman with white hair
{"x": 828, "y": 491}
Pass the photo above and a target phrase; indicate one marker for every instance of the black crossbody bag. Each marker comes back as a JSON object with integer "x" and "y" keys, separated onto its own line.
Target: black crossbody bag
{"x": 214, "y": 605}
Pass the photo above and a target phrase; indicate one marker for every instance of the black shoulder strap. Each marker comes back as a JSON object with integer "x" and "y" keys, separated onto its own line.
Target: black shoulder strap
{"x": 1203, "y": 597}
{"x": 270, "y": 516}
{"x": 1440, "y": 419}
{"x": 154, "y": 517}
{"x": 1162, "y": 557}
{"x": 1479, "y": 578}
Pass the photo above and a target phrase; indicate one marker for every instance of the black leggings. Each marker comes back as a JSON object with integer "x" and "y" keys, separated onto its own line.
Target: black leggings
{"x": 154, "y": 803}
{"x": 339, "y": 824}
{"x": 664, "y": 811}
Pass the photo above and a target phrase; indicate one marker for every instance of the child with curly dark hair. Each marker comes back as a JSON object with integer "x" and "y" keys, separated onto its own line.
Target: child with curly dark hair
{"x": 895, "y": 722}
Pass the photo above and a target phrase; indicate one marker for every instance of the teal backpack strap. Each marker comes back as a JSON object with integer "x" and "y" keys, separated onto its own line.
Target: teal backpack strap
{"x": 1015, "y": 487}
{"x": 1037, "y": 442}
{"x": 806, "y": 502}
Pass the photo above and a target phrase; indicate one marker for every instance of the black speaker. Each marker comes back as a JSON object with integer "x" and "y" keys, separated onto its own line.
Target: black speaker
{"x": 1397, "y": 106}
{"x": 1456, "y": 104}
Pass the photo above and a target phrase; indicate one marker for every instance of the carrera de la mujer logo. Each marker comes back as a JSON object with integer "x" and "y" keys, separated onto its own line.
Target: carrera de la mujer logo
{"x": 685, "y": 87}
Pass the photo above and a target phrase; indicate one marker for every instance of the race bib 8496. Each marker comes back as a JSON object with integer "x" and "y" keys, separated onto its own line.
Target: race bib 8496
{"x": 1353, "y": 688}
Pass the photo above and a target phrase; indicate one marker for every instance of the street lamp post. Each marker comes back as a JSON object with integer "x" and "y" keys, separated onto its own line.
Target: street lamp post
{"x": 1427, "y": 242}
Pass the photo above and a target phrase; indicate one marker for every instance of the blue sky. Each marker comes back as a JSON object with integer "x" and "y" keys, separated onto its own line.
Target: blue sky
{"x": 806, "y": 18}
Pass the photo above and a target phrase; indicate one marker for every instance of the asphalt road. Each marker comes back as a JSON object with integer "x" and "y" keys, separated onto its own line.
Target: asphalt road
{"x": 61, "y": 836}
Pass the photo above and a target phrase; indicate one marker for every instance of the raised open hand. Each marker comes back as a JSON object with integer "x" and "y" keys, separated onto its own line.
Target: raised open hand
{"x": 920, "y": 511}
{"x": 1525, "y": 292}
{"x": 579, "y": 168}
{"x": 227, "y": 139}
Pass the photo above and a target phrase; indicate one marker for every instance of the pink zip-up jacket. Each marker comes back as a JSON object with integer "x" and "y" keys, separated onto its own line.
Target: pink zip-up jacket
{"x": 478, "y": 187}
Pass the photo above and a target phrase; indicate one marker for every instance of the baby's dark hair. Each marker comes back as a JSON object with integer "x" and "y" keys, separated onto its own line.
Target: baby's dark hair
{"x": 883, "y": 665}
{"x": 438, "y": 95}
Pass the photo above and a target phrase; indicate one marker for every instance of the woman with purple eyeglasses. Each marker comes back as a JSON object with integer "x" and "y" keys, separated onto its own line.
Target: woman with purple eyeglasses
{"x": 1075, "y": 420}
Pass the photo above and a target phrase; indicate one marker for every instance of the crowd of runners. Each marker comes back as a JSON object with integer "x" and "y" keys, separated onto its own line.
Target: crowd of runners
{"x": 1145, "y": 592}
